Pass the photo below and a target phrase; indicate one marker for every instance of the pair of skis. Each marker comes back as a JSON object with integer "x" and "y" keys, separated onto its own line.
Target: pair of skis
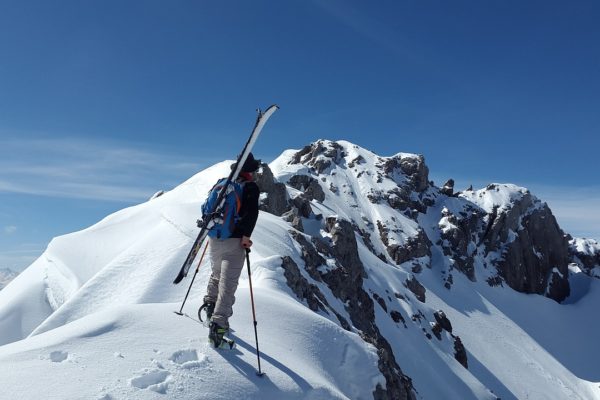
{"x": 207, "y": 223}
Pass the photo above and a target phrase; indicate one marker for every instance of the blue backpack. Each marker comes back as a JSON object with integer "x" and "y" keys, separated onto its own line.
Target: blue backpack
{"x": 226, "y": 218}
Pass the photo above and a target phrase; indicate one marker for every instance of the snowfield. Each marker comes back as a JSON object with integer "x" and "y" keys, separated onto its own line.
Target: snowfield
{"x": 93, "y": 318}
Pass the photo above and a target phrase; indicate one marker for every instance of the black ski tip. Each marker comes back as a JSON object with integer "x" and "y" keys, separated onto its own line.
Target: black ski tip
{"x": 178, "y": 279}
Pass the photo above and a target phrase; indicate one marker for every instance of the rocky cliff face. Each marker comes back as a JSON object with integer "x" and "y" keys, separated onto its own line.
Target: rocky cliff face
{"x": 531, "y": 251}
{"x": 352, "y": 211}
{"x": 585, "y": 253}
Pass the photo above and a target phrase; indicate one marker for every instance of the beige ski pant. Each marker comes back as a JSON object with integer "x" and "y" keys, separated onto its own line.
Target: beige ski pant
{"x": 227, "y": 259}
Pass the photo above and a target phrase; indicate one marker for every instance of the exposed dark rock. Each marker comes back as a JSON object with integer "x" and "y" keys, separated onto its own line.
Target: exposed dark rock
{"x": 331, "y": 152}
{"x": 345, "y": 248}
{"x": 345, "y": 282}
{"x": 397, "y": 317}
{"x": 303, "y": 206}
{"x": 416, "y": 171}
{"x": 302, "y": 288}
{"x": 309, "y": 185}
{"x": 460, "y": 353}
{"x": 449, "y": 282}
{"x": 276, "y": 199}
{"x": 459, "y": 233}
{"x": 448, "y": 188}
{"x": 358, "y": 160}
{"x": 312, "y": 259}
{"x": 413, "y": 167}
{"x": 532, "y": 245}
{"x": 443, "y": 321}
{"x": 436, "y": 328}
{"x": 366, "y": 236}
{"x": 589, "y": 257}
{"x": 415, "y": 286}
{"x": 494, "y": 281}
{"x": 415, "y": 247}
{"x": 264, "y": 178}
{"x": 294, "y": 218}
{"x": 558, "y": 287}
{"x": 380, "y": 301}
{"x": 297, "y": 223}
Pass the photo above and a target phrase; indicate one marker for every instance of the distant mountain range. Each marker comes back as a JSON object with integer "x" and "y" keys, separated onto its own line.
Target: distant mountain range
{"x": 6, "y": 275}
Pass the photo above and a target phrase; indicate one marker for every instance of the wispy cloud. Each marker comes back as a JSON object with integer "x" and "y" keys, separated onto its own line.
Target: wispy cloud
{"x": 89, "y": 169}
{"x": 368, "y": 26}
{"x": 10, "y": 229}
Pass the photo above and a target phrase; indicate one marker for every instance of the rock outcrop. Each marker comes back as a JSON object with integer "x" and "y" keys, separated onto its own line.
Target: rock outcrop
{"x": 275, "y": 198}
{"x": 535, "y": 251}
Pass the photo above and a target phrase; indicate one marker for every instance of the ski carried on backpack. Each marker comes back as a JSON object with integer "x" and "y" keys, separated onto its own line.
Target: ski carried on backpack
{"x": 207, "y": 221}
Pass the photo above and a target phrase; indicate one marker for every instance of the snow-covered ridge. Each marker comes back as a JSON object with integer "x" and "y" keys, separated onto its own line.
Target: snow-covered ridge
{"x": 369, "y": 282}
{"x": 500, "y": 196}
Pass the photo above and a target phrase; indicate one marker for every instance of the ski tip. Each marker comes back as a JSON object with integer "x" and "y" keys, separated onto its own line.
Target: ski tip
{"x": 178, "y": 279}
{"x": 271, "y": 108}
{"x": 178, "y": 313}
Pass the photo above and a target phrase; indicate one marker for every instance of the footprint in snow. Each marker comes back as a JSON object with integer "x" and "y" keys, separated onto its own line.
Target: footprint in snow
{"x": 156, "y": 380}
{"x": 188, "y": 359}
{"x": 58, "y": 356}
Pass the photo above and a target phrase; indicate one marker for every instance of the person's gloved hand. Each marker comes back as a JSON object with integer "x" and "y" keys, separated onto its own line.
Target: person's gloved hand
{"x": 246, "y": 242}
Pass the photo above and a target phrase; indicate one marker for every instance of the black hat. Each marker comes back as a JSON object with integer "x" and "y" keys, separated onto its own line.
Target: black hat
{"x": 250, "y": 165}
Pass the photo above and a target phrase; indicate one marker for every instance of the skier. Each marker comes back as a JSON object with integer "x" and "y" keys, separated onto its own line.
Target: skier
{"x": 227, "y": 255}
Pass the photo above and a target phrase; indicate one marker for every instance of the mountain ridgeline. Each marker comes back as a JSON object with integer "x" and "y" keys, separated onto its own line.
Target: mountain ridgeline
{"x": 339, "y": 197}
{"x": 369, "y": 281}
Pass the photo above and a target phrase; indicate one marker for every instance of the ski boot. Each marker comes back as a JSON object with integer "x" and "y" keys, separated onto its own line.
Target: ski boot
{"x": 216, "y": 336}
{"x": 209, "y": 309}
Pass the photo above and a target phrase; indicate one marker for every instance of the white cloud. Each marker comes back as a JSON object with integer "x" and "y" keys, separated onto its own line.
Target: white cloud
{"x": 90, "y": 169}
{"x": 10, "y": 229}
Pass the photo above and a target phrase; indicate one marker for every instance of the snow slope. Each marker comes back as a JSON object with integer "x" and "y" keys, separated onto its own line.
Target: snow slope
{"x": 92, "y": 317}
{"x": 98, "y": 306}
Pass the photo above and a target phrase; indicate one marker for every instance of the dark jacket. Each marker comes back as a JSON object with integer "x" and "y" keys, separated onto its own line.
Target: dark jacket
{"x": 248, "y": 211}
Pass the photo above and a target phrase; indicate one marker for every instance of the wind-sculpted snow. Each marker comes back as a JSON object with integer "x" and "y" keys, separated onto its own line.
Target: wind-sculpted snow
{"x": 369, "y": 282}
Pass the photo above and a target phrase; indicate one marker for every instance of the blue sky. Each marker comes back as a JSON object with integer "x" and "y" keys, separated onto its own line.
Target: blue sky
{"x": 102, "y": 103}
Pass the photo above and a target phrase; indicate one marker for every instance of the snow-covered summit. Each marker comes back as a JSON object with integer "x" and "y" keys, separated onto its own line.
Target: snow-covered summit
{"x": 369, "y": 281}
{"x": 501, "y": 196}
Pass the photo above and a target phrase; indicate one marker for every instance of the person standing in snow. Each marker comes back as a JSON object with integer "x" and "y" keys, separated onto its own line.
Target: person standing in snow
{"x": 227, "y": 256}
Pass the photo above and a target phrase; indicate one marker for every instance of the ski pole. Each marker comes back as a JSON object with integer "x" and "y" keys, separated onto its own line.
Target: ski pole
{"x": 192, "y": 282}
{"x": 259, "y": 373}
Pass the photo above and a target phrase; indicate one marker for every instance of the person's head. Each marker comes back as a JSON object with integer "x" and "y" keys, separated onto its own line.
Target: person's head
{"x": 250, "y": 166}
